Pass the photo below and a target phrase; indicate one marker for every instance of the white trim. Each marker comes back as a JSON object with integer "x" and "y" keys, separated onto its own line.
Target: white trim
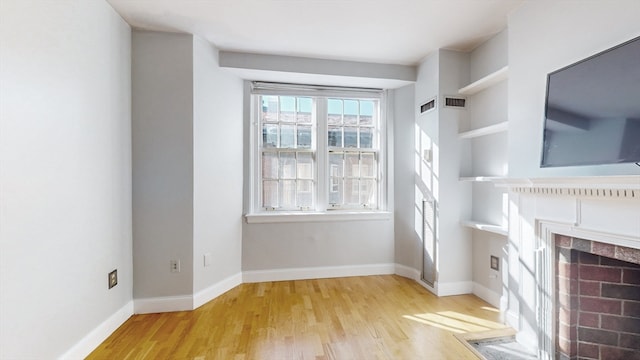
{"x": 490, "y": 296}
{"x": 334, "y": 215}
{"x": 163, "y": 304}
{"x": 317, "y": 272}
{"x": 96, "y": 336}
{"x": 629, "y": 182}
{"x": 513, "y": 319}
{"x": 407, "y": 272}
{"x": 320, "y": 147}
{"x": 431, "y": 289}
{"x": 207, "y": 294}
{"x": 454, "y": 288}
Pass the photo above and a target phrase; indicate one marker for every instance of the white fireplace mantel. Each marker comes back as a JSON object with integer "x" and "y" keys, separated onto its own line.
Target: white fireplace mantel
{"x": 599, "y": 208}
{"x": 591, "y": 183}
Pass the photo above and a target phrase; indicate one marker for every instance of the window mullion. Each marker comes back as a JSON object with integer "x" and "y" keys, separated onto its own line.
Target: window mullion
{"x": 256, "y": 156}
{"x": 322, "y": 156}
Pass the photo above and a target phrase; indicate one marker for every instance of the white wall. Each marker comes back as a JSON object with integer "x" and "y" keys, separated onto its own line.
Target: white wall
{"x": 453, "y": 240}
{"x": 545, "y": 36}
{"x": 217, "y": 156}
{"x": 489, "y": 56}
{"x": 442, "y": 74}
{"x": 162, "y": 127}
{"x": 309, "y": 245}
{"x": 65, "y": 176}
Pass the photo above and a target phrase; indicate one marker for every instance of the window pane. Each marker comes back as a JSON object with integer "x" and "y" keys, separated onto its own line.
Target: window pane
{"x": 351, "y": 165}
{"x": 270, "y": 194}
{"x": 305, "y": 193}
{"x": 305, "y": 166}
{"x": 269, "y": 135}
{"x": 288, "y": 192}
{"x": 368, "y": 192}
{"x": 269, "y": 108}
{"x": 287, "y": 137}
{"x": 304, "y": 137}
{"x": 305, "y": 107}
{"x": 366, "y": 138}
{"x": 350, "y": 137}
{"x": 269, "y": 165}
{"x": 287, "y": 108}
{"x": 334, "y": 109}
{"x": 336, "y": 165}
{"x": 287, "y": 165}
{"x": 366, "y": 112}
{"x": 335, "y": 136}
{"x": 352, "y": 192}
{"x": 351, "y": 112}
{"x": 288, "y": 159}
{"x": 335, "y": 191}
{"x": 367, "y": 165}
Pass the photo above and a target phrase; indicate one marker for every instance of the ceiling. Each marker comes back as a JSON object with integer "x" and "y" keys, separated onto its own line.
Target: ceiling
{"x": 399, "y": 32}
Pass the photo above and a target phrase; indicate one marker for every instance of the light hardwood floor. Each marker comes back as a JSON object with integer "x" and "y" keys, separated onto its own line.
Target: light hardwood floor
{"x": 368, "y": 317}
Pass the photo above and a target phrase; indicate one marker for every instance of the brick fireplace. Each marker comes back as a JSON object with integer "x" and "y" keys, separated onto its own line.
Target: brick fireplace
{"x": 597, "y": 292}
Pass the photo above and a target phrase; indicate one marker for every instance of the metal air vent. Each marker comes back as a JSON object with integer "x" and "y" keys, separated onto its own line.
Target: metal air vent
{"x": 429, "y": 105}
{"x": 455, "y": 102}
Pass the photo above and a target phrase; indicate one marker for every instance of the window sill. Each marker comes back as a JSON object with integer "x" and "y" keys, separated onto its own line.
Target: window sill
{"x": 336, "y": 215}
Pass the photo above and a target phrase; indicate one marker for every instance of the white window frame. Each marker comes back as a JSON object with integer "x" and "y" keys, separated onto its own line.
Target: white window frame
{"x": 322, "y": 211}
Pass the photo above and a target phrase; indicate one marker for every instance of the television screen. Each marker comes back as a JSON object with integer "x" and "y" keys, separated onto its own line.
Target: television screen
{"x": 592, "y": 111}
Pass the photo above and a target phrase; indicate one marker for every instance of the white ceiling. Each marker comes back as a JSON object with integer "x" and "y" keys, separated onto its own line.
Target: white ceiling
{"x": 380, "y": 31}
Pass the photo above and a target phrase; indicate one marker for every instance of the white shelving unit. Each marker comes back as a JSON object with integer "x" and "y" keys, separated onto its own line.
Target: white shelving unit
{"x": 486, "y": 130}
{"x": 476, "y": 87}
{"x": 485, "y": 82}
{"x": 480, "y": 178}
{"x": 492, "y": 228}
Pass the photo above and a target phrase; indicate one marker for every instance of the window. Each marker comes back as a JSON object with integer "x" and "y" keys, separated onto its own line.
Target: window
{"x": 317, "y": 149}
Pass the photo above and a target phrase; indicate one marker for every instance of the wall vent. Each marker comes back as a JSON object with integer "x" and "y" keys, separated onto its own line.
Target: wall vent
{"x": 455, "y": 102}
{"x": 429, "y": 105}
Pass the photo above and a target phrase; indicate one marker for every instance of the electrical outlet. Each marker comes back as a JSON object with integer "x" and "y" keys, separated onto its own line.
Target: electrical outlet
{"x": 174, "y": 266}
{"x": 494, "y": 263}
{"x": 113, "y": 278}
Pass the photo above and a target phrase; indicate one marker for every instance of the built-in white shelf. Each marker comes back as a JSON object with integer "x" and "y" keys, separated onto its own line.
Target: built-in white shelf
{"x": 486, "y": 130}
{"x": 485, "y": 82}
{"x": 480, "y": 178}
{"x": 496, "y": 229}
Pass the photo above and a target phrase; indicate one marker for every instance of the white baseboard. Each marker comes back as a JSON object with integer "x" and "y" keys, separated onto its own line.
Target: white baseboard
{"x": 454, "y": 288}
{"x": 317, "y": 272}
{"x": 204, "y": 296}
{"x": 408, "y": 272}
{"x": 487, "y": 295}
{"x": 163, "y": 304}
{"x": 94, "y": 338}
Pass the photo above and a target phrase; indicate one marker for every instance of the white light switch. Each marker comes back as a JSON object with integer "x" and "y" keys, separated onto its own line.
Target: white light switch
{"x": 207, "y": 259}
{"x": 426, "y": 155}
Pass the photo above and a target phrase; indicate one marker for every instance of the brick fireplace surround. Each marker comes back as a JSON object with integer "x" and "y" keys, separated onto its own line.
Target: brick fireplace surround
{"x": 597, "y": 300}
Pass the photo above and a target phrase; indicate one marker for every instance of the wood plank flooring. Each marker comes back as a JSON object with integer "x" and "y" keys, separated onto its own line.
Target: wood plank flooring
{"x": 368, "y": 317}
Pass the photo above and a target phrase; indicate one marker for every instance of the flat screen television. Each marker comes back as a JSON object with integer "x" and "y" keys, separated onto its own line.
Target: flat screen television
{"x": 592, "y": 110}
